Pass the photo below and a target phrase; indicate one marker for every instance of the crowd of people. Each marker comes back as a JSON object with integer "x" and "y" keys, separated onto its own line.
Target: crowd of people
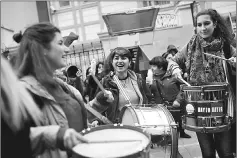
{"x": 43, "y": 110}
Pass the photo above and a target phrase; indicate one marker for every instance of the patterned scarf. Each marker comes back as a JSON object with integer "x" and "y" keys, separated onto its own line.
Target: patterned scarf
{"x": 202, "y": 68}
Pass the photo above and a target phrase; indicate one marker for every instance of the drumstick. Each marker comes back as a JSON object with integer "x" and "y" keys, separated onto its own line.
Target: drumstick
{"x": 98, "y": 83}
{"x": 112, "y": 141}
{"x": 214, "y": 56}
{"x": 180, "y": 78}
{"x": 93, "y": 67}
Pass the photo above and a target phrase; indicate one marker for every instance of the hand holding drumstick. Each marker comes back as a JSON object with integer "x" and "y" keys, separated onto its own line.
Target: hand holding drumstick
{"x": 107, "y": 94}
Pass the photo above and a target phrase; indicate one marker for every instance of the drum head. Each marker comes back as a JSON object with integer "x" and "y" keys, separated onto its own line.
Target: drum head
{"x": 114, "y": 141}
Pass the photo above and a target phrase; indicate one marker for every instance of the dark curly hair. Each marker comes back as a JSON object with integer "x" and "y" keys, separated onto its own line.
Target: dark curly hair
{"x": 221, "y": 30}
{"x": 121, "y": 51}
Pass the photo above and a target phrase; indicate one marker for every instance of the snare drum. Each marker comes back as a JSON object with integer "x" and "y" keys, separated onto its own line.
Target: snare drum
{"x": 158, "y": 122}
{"x": 211, "y": 111}
{"x": 114, "y": 141}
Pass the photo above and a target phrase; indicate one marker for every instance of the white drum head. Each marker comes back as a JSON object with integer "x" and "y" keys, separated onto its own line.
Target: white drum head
{"x": 111, "y": 148}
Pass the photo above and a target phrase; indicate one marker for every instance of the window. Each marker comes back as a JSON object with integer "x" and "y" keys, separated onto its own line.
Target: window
{"x": 65, "y": 19}
{"x": 147, "y": 3}
{"x": 78, "y": 19}
{"x": 161, "y": 2}
{"x": 64, "y": 4}
{"x": 90, "y": 14}
{"x": 87, "y": 2}
{"x": 54, "y": 20}
{"x": 80, "y": 34}
{"x": 76, "y": 3}
{"x": 91, "y": 31}
{"x": 67, "y": 32}
{"x": 152, "y": 3}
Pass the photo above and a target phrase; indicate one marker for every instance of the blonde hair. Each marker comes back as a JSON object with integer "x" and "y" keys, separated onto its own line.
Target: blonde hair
{"x": 17, "y": 105}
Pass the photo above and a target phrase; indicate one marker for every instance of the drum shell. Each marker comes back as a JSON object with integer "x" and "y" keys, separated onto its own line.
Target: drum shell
{"x": 159, "y": 137}
{"x": 211, "y": 110}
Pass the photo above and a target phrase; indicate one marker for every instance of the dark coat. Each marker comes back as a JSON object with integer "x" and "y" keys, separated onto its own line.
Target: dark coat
{"x": 15, "y": 144}
{"x": 166, "y": 89}
{"x": 111, "y": 109}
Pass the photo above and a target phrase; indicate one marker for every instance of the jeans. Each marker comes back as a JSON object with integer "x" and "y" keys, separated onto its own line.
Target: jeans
{"x": 211, "y": 142}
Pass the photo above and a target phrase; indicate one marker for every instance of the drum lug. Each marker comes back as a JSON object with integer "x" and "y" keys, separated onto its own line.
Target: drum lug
{"x": 204, "y": 130}
{"x": 226, "y": 94}
{"x": 174, "y": 124}
{"x": 202, "y": 93}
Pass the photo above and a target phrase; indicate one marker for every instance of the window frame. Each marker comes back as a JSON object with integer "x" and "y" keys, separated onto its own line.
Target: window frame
{"x": 64, "y": 7}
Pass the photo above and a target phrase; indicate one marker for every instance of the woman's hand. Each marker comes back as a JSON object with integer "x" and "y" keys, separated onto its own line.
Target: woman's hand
{"x": 232, "y": 61}
{"x": 94, "y": 124}
{"x": 149, "y": 78}
{"x": 104, "y": 98}
{"x": 72, "y": 138}
{"x": 176, "y": 104}
{"x": 109, "y": 95}
{"x": 79, "y": 74}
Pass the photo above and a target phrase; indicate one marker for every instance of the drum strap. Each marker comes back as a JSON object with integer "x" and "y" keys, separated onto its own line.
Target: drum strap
{"x": 126, "y": 97}
{"x": 121, "y": 114}
{"x": 231, "y": 97}
{"x": 159, "y": 90}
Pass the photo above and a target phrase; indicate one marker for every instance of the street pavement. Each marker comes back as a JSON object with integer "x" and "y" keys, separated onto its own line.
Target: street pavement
{"x": 188, "y": 148}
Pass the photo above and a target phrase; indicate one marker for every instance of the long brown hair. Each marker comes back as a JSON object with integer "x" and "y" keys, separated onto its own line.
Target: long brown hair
{"x": 17, "y": 104}
{"x": 221, "y": 30}
{"x": 34, "y": 44}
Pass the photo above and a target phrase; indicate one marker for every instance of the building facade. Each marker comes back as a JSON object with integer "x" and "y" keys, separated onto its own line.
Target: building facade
{"x": 16, "y": 16}
{"x": 174, "y": 24}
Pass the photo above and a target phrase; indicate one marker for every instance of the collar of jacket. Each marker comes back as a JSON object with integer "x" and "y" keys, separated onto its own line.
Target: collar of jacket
{"x": 166, "y": 75}
{"x": 134, "y": 80}
{"x": 36, "y": 88}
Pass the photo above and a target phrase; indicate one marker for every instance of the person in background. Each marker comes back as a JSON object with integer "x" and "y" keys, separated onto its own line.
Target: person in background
{"x": 90, "y": 85}
{"x": 99, "y": 72}
{"x": 75, "y": 79}
{"x": 169, "y": 55}
{"x": 214, "y": 37}
{"x": 64, "y": 115}
{"x": 166, "y": 90}
{"x": 172, "y": 49}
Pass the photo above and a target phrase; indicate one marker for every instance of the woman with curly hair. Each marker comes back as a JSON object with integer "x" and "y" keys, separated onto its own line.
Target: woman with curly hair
{"x": 213, "y": 37}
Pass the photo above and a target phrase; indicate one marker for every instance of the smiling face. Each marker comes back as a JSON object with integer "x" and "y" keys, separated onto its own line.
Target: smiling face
{"x": 120, "y": 63}
{"x": 205, "y": 26}
{"x": 169, "y": 57}
{"x": 55, "y": 54}
{"x": 100, "y": 68}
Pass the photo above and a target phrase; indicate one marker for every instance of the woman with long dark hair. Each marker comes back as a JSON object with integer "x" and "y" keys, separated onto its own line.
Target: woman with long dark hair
{"x": 64, "y": 115}
{"x": 213, "y": 37}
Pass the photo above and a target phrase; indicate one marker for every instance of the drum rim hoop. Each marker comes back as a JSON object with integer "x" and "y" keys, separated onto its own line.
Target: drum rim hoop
{"x": 119, "y": 126}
